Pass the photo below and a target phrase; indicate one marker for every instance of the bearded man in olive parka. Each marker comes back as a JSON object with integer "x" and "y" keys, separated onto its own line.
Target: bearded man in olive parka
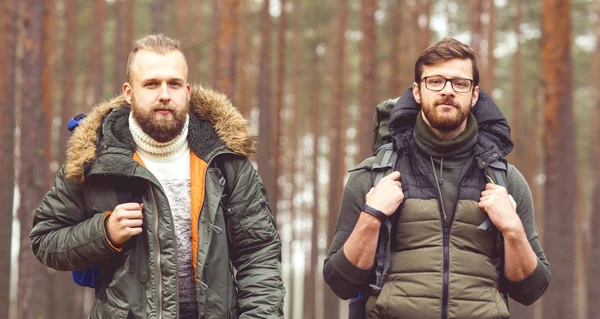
{"x": 233, "y": 249}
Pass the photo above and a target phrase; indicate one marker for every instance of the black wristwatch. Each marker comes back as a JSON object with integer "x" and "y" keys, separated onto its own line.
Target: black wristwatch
{"x": 375, "y": 212}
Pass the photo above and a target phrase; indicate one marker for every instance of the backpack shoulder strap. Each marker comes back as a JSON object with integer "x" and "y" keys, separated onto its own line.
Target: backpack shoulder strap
{"x": 386, "y": 162}
{"x": 495, "y": 173}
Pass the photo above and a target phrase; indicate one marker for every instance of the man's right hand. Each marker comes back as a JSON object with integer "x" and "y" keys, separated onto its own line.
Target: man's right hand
{"x": 387, "y": 195}
{"x": 125, "y": 222}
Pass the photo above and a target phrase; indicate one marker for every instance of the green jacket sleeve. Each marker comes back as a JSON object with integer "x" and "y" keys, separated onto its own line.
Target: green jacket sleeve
{"x": 63, "y": 237}
{"x": 344, "y": 278}
{"x": 255, "y": 243}
{"x": 530, "y": 289}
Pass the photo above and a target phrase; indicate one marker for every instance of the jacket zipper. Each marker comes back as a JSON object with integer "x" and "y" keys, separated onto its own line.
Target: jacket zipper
{"x": 160, "y": 308}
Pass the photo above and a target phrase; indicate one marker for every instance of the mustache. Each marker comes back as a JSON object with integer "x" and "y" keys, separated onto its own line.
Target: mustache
{"x": 165, "y": 106}
{"x": 447, "y": 101}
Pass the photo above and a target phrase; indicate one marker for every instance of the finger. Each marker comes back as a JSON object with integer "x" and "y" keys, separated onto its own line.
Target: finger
{"x": 132, "y": 223}
{"x": 130, "y": 206}
{"x": 135, "y": 231}
{"x": 395, "y": 175}
{"x": 490, "y": 186}
{"x": 131, "y": 214}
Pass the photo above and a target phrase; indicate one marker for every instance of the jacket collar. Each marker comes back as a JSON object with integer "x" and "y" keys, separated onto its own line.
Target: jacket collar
{"x": 493, "y": 135}
{"x": 215, "y": 124}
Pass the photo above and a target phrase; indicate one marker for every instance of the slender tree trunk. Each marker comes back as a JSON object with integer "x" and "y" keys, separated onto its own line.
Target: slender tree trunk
{"x": 491, "y": 59}
{"x": 560, "y": 155}
{"x": 450, "y": 18}
{"x": 129, "y": 14}
{"x": 96, "y": 46}
{"x": 395, "y": 50}
{"x": 316, "y": 103}
{"x": 476, "y": 9}
{"x": 158, "y": 16}
{"x": 265, "y": 138}
{"x": 243, "y": 100}
{"x": 49, "y": 74}
{"x": 68, "y": 74}
{"x": 8, "y": 43}
{"x": 33, "y": 299}
{"x": 337, "y": 139}
{"x": 118, "y": 43}
{"x": 227, "y": 47}
{"x": 516, "y": 110}
{"x": 368, "y": 66}
{"x": 593, "y": 278}
{"x": 216, "y": 33}
{"x": 279, "y": 104}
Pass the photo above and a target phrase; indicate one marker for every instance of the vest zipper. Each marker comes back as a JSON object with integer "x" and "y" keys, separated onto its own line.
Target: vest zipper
{"x": 445, "y": 246}
{"x": 446, "y": 273}
{"x": 160, "y": 308}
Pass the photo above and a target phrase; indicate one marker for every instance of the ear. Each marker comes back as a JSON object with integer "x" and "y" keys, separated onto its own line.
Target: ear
{"x": 475, "y": 96}
{"x": 127, "y": 92}
{"x": 188, "y": 87}
{"x": 416, "y": 92}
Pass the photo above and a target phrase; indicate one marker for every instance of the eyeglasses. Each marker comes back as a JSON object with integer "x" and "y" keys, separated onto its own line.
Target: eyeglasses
{"x": 438, "y": 83}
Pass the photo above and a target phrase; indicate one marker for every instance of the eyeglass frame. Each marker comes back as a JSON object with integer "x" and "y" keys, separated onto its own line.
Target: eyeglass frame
{"x": 472, "y": 82}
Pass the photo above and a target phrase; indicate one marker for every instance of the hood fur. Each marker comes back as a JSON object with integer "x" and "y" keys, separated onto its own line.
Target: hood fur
{"x": 205, "y": 103}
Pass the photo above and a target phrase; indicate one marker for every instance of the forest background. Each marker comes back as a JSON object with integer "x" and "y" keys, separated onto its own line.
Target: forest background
{"x": 307, "y": 74}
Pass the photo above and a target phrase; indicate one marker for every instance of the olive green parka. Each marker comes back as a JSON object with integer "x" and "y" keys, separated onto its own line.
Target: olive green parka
{"x": 238, "y": 256}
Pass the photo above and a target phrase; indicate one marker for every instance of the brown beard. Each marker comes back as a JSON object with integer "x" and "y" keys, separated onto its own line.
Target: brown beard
{"x": 161, "y": 128}
{"x": 445, "y": 123}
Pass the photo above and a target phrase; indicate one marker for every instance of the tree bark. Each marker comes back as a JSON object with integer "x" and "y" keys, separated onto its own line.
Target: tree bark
{"x": 245, "y": 76}
{"x": 158, "y": 16}
{"x": 559, "y": 155}
{"x": 476, "y": 9}
{"x": 227, "y": 47}
{"x": 216, "y": 33}
{"x": 368, "y": 70}
{"x": 265, "y": 138}
{"x": 279, "y": 105}
{"x": 68, "y": 74}
{"x": 8, "y": 43}
{"x": 33, "y": 299}
{"x": 491, "y": 59}
{"x": 96, "y": 46}
{"x": 593, "y": 277}
{"x": 337, "y": 141}
{"x": 516, "y": 110}
{"x": 395, "y": 50}
{"x": 316, "y": 103}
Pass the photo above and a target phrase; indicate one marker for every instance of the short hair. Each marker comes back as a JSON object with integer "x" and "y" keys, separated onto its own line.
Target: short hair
{"x": 158, "y": 43}
{"x": 444, "y": 50}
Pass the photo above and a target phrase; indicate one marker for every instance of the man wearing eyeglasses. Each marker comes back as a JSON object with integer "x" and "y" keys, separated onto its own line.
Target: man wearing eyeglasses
{"x": 459, "y": 243}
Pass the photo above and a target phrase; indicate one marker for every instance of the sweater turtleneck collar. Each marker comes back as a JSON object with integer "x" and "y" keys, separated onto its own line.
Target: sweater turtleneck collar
{"x": 151, "y": 148}
{"x": 432, "y": 145}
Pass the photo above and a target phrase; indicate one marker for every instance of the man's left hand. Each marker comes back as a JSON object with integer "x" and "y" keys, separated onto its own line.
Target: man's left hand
{"x": 501, "y": 208}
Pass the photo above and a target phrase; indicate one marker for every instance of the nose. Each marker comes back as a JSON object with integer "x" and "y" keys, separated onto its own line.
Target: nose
{"x": 448, "y": 89}
{"x": 163, "y": 94}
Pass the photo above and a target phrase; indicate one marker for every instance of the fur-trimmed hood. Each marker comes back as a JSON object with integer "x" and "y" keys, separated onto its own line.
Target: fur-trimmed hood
{"x": 205, "y": 104}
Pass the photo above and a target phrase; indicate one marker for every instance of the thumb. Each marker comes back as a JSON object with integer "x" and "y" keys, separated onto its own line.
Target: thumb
{"x": 512, "y": 202}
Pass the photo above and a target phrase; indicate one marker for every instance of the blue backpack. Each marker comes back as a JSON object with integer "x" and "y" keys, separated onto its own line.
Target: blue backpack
{"x": 90, "y": 276}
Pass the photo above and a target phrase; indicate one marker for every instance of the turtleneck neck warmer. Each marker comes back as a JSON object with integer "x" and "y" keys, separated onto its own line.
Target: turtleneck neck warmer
{"x": 447, "y": 158}
{"x": 432, "y": 145}
{"x": 157, "y": 151}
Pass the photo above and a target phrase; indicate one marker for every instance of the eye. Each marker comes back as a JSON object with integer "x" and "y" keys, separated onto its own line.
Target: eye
{"x": 175, "y": 84}
{"x": 150, "y": 84}
{"x": 461, "y": 83}
{"x": 435, "y": 81}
